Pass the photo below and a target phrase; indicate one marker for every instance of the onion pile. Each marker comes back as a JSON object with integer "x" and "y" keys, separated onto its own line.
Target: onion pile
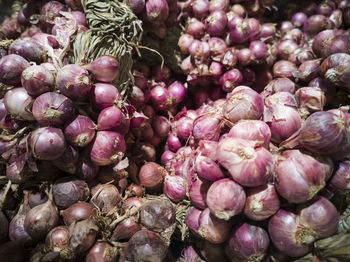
{"x": 240, "y": 145}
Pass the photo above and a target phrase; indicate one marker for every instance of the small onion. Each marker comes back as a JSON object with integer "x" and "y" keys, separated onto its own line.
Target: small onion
{"x": 340, "y": 182}
{"x": 198, "y": 193}
{"x": 207, "y": 168}
{"x": 37, "y": 80}
{"x": 109, "y": 118}
{"x": 57, "y": 238}
{"x": 78, "y": 211}
{"x": 175, "y": 188}
{"x": 225, "y": 198}
{"x": 125, "y": 230}
{"x": 82, "y": 235}
{"x": 105, "y": 68}
{"x": 335, "y": 70}
{"x": 80, "y": 131}
{"x": 104, "y": 95}
{"x": 151, "y": 175}
{"x": 105, "y": 197}
{"x": 17, "y": 101}
{"x": 102, "y": 251}
{"x": 67, "y": 161}
{"x": 50, "y": 11}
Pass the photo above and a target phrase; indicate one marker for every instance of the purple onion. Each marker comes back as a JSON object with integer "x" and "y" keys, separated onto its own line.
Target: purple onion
{"x": 11, "y": 68}
{"x": 340, "y": 182}
{"x": 80, "y": 131}
{"x": 17, "y": 101}
{"x": 157, "y": 11}
{"x": 299, "y": 19}
{"x": 175, "y": 188}
{"x": 230, "y": 80}
{"x": 198, "y": 193}
{"x": 195, "y": 28}
{"x": 67, "y": 161}
{"x": 109, "y": 118}
{"x": 37, "y": 80}
{"x": 50, "y": 11}
{"x": 104, "y": 95}
{"x": 176, "y": 92}
{"x": 28, "y": 49}
{"x": 105, "y": 68}
{"x": 208, "y": 169}
{"x": 216, "y": 23}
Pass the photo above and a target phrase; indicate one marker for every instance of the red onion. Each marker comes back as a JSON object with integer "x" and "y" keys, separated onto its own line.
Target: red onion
{"x": 335, "y": 70}
{"x": 109, "y": 118}
{"x": 37, "y": 198}
{"x": 104, "y": 95}
{"x": 16, "y": 231}
{"x": 208, "y": 169}
{"x": 283, "y": 121}
{"x": 230, "y": 80}
{"x": 37, "y": 80}
{"x": 10, "y": 28}
{"x": 157, "y": 11}
{"x": 318, "y": 219}
{"x": 108, "y": 148}
{"x": 173, "y": 141}
{"x": 125, "y": 230}
{"x": 161, "y": 125}
{"x": 299, "y": 19}
{"x": 57, "y": 238}
{"x": 253, "y": 130}
{"x": 213, "y": 229}
{"x": 229, "y": 58}
{"x": 243, "y": 103}
{"x": 184, "y": 42}
{"x": 316, "y": 23}
{"x": 248, "y": 242}
{"x": 78, "y": 211}
{"x": 175, "y": 188}
{"x": 321, "y": 42}
{"x": 69, "y": 190}
{"x": 192, "y": 220}
{"x": 131, "y": 203}
{"x": 136, "y": 6}
{"x": 340, "y": 181}
{"x": 199, "y": 50}
{"x": 17, "y": 101}
{"x": 47, "y": 143}
{"x": 219, "y": 5}
{"x": 146, "y": 245}
{"x": 216, "y": 23}
{"x": 284, "y": 68}
{"x": 80, "y": 131}
{"x": 176, "y": 92}
{"x": 207, "y": 127}
{"x": 151, "y": 175}
{"x": 82, "y": 235}
{"x": 268, "y": 30}
{"x": 159, "y": 97}
{"x": 102, "y": 252}
{"x": 105, "y": 68}
{"x": 244, "y": 56}
{"x": 50, "y": 11}
{"x": 105, "y": 197}
{"x": 240, "y": 31}
{"x": 280, "y": 85}
{"x": 200, "y": 8}
{"x": 247, "y": 163}
{"x": 41, "y": 219}
{"x": 198, "y": 192}
{"x": 310, "y": 99}
{"x": 322, "y": 133}
{"x": 29, "y": 49}
{"x": 52, "y": 109}
{"x": 295, "y": 170}
{"x": 286, "y": 48}
{"x": 225, "y": 198}
{"x": 85, "y": 168}
{"x": 73, "y": 81}
{"x": 167, "y": 156}
{"x": 67, "y": 161}
{"x": 262, "y": 202}
{"x": 336, "y": 18}
{"x": 259, "y": 50}
{"x": 11, "y": 68}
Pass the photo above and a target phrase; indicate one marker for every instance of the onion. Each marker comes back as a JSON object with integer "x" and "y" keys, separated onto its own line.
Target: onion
{"x": 27, "y": 48}
{"x": 192, "y": 220}
{"x": 57, "y": 238}
{"x": 253, "y": 130}
{"x": 78, "y": 211}
{"x": 132, "y": 203}
{"x": 184, "y": 42}
{"x": 67, "y": 161}
{"x": 213, "y": 229}
{"x": 50, "y": 11}
{"x": 37, "y": 198}
{"x": 239, "y": 31}
{"x": 225, "y": 198}
{"x": 109, "y": 118}
{"x": 283, "y": 121}
{"x": 151, "y": 175}
{"x": 37, "y": 80}
{"x": 322, "y": 133}
{"x": 208, "y": 169}
{"x": 105, "y": 68}
{"x": 73, "y": 81}
{"x": 52, "y": 109}
{"x": 284, "y": 68}
{"x": 41, "y": 219}
{"x": 340, "y": 181}
{"x": 310, "y": 99}
{"x": 247, "y": 163}
{"x": 216, "y": 23}
{"x": 125, "y": 230}
{"x": 17, "y": 102}
{"x": 335, "y": 70}
{"x": 229, "y": 58}
{"x": 200, "y": 8}
{"x": 157, "y": 11}
{"x": 104, "y": 95}
{"x": 16, "y": 231}
{"x": 244, "y": 56}
{"x": 108, "y": 148}
{"x": 105, "y": 197}
{"x": 85, "y": 168}
{"x": 198, "y": 192}
{"x": 11, "y": 28}
{"x": 161, "y": 125}
{"x": 299, "y": 19}
{"x": 295, "y": 170}
{"x": 102, "y": 251}
{"x": 230, "y": 80}
{"x": 47, "y": 143}
{"x": 80, "y": 131}
{"x": 136, "y": 6}
{"x": 69, "y": 190}
{"x": 207, "y": 127}
{"x": 175, "y": 188}
{"x": 243, "y": 103}
{"x": 262, "y": 202}
{"x": 146, "y": 245}
{"x": 74, "y": 4}
{"x": 248, "y": 242}
{"x": 82, "y": 235}
{"x": 316, "y": 23}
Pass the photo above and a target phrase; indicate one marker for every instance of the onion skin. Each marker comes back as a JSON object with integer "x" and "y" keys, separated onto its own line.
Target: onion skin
{"x": 37, "y": 80}
{"x": 67, "y": 161}
{"x": 102, "y": 252}
{"x": 208, "y": 169}
{"x": 108, "y": 148}
{"x": 247, "y": 164}
{"x": 80, "y": 131}
{"x": 248, "y": 243}
{"x": 103, "y": 95}
{"x": 11, "y": 68}
{"x": 225, "y": 198}
{"x": 340, "y": 181}
{"x": 69, "y": 190}
{"x": 262, "y": 202}
{"x": 15, "y": 229}
{"x": 151, "y": 175}
{"x": 283, "y": 227}
{"x": 52, "y": 109}
{"x": 175, "y": 188}
{"x": 146, "y": 245}
{"x": 125, "y": 230}
{"x": 16, "y": 102}
{"x": 158, "y": 215}
{"x": 57, "y": 238}
{"x": 50, "y": 11}
{"x": 105, "y": 197}
{"x": 335, "y": 69}
{"x": 213, "y": 229}
{"x": 82, "y": 235}
{"x": 78, "y": 211}
{"x": 105, "y": 68}
{"x": 198, "y": 193}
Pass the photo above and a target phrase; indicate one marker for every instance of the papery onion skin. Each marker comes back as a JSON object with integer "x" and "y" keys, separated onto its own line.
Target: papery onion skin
{"x": 37, "y": 80}
{"x": 108, "y": 148}
{"x": 57, "y": 238}
{"x": 102, "y": 252}
{"x": 340, "y": 181}
{"x": 105, "y": 197}
{"x": 198, "y": 193}
{"x": 247, "y": 164}
{"x": 78, "y": 211}
{"x": 335, "y": 69}
{"x": 16, "y": 102}
{"x": 261, "y": 203}
{"x": 125, "y": 229}
{"x": 82, "y": 235}
{"x": 225, "y": 198}
{"x": 248, "y": 242}
{"x": 151, "y": 175}
{"x": 175, "y": 188}
{"x": 80, "y": 131}
{"x": 295, "y": 170}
